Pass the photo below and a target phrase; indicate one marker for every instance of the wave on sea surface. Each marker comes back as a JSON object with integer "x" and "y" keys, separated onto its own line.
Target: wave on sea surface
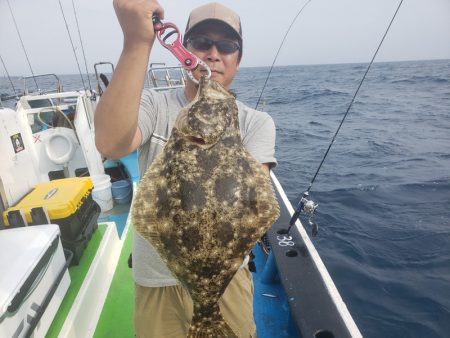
{"x": 383, "y": 190}
{"x": 395, "y": 232}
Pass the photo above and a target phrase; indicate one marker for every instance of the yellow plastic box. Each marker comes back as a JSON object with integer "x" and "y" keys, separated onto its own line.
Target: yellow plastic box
{"x": 68, "y": 203}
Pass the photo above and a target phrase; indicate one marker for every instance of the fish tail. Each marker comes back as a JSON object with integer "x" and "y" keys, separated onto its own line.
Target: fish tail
{"x": 217, "y": 328}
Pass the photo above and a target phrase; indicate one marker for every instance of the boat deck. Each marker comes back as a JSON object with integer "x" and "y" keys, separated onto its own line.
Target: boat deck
{"x": 116, "y": 319}
{"x": 77, "y": 276}
{"x": 272, "y": 316}
{"x": 282, "y": 306}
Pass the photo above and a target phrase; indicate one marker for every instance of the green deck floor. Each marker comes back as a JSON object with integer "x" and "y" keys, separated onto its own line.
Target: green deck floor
{"x": 77, "y": 275}
{"x": 116, "y": 319}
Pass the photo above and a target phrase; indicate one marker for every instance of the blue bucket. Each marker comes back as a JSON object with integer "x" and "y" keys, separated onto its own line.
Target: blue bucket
{"x": 122, "y": 191}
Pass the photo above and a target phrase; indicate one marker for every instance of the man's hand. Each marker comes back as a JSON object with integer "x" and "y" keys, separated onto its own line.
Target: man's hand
{"x": 135, "y": 18}
{"x": 116, "y": 115}
{"x": 266, "y": 168}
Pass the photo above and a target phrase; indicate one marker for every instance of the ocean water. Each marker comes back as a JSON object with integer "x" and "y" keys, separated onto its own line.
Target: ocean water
{"x": 383, "y": 190}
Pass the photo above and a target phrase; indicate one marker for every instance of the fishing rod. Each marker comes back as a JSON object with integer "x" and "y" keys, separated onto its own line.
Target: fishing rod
{"x": 73, "y": 46}
{"x": 82, "y": 46}
{"x": 278, "y": 52}
{"x": 307, "y": 205}
{"x": 9, "y": 77}
{"x": 23, "y": 46}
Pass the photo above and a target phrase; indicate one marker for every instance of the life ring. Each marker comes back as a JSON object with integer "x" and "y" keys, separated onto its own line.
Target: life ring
{"x": 59, "y": 148}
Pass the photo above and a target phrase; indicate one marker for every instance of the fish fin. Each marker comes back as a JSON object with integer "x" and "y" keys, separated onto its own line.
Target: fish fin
{"x": 215, "y": 329}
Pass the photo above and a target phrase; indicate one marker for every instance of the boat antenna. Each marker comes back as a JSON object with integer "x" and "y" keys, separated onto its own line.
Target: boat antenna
{"x": 82, "y": 47}
{"x": 71, "y": 42}
{"x": 23, "y": 46}
{"x": 278, "y": 51}
{"x": 307, "y": 205}
{"x": 7, "y": 74}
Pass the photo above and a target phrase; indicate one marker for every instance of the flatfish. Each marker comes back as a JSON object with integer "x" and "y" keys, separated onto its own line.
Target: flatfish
{"x": 204, "y": 202}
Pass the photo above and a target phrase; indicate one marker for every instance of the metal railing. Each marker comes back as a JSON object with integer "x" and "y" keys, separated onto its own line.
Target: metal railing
{"x": 161, "y": 77}
{"x": 58, "y": 88}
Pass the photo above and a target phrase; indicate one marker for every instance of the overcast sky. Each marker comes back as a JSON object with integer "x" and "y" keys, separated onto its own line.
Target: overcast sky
{"x": 328, "y": 31}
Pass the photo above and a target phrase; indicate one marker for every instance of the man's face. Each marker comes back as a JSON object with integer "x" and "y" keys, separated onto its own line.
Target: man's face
{"x": 224, "y": 66}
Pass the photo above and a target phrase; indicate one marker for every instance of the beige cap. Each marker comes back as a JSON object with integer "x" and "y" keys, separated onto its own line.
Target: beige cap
{"x": 214, "y": 11}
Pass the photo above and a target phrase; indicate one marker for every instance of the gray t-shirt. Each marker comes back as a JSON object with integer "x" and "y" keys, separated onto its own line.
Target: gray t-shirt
{"x": 157, "y": 115}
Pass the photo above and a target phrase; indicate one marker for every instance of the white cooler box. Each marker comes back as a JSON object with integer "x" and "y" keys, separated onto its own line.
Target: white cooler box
{"x": 33, "y": 280}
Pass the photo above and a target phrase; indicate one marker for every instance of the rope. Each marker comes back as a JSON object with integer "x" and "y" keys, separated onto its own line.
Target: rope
{"x": 354, "y": 96}
{"x": 56, "y": 109}
{"x": 82, "y": 47}
{"x": 23, "y": 46}
{"x": 71, "y": 42}
{"x": 279, "y": 48}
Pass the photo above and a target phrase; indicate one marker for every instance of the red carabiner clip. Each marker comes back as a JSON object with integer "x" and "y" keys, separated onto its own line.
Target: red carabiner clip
{"x": 188, "y": 60}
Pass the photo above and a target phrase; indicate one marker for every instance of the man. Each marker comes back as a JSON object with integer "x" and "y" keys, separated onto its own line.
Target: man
{"x": 128, "y": 118}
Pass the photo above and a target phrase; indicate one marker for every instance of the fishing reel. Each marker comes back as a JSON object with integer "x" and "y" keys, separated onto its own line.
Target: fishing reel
{"x": 308, "y": 206}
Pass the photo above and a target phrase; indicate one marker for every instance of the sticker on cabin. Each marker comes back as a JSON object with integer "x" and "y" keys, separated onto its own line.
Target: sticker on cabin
{"x": 17, "y": 143}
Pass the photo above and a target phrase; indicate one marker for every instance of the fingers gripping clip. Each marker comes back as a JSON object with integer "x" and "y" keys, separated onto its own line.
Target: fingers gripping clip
{"x": 189, "y": 61}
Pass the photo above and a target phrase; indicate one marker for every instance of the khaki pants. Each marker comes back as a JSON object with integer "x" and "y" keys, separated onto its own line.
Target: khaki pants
{"x": 166, "y": 312}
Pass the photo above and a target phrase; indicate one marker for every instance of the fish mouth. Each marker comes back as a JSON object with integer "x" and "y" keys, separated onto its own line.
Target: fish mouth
{"x": 197, "y": 140}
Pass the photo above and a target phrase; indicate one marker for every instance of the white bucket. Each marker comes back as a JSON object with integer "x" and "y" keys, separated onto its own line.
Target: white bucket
{"x": 102, "y": 191}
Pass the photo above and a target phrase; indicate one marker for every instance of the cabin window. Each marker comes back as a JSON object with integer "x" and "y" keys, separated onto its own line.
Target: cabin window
{"x": 40, "y": 103}
{"x": 51, "y": 118}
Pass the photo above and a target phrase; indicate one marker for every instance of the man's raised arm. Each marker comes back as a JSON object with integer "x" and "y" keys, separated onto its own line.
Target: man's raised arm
{"x": 116, "y": 116}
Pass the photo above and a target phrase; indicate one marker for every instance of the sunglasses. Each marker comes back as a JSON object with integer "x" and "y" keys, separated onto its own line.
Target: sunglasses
{"x": 223, "y": 46}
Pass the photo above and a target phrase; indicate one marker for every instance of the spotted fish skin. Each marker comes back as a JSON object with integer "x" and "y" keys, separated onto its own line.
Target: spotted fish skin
{"x": 204, "y": 202}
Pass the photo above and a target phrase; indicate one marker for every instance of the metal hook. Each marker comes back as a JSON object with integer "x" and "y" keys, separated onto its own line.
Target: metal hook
{"x": 187, "y": 59}
{"x": 204, "y": 65}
